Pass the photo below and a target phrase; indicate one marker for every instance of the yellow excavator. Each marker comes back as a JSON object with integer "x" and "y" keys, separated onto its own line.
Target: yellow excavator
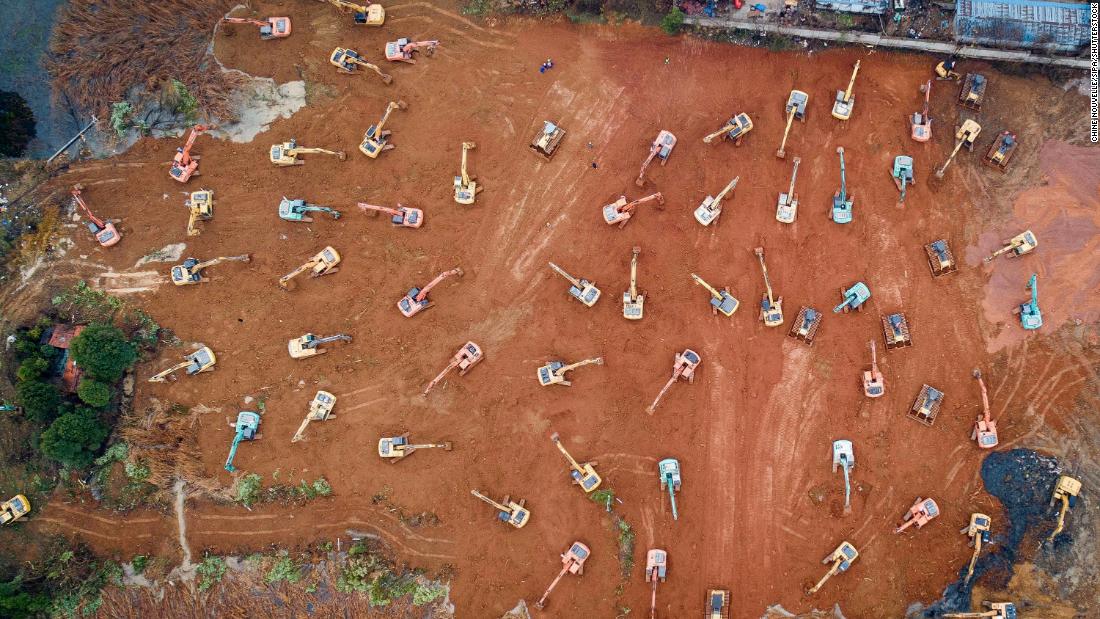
{"x": 978, "y": 532}
{"x": 735, "y": 130}
{"x": 508, "y": 511}
{"x": 966, "y": 135}
{"x": 190, "y": 272}
{"x": 14, "y": 508}
{"x": 199, "y": 206}
{"x": 320, "y": 409}
{"x": 554, "y": 372}
{"x": 771, "y": 309}
{"x": 796, "y": 107}
{"x": 202, "y": 360}
{"x": 1065, "y": 491}
{"x": 584, "y": 475}
{"x": 322, "y": 263}
{"x": 845, "y": 100}
{"x": 1023, "y": 243}
{"x": 842, "y": 559}
{"x": 376, "y": 139}
{"x": 286, "y": 154}
{"x": 348, "y": 60}
{"x": 370, "y": 15}
{"x": 466, "y": 188}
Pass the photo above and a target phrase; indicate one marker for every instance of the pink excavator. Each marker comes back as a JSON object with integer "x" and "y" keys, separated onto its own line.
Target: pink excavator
{"x": 404, "y": 216}
{"x": 572, "y": 562}
{"x": 467, "y": 357}
{"x": 184, "y": 166}
{"x": 402, "y": 49}
{"x": 416, "y": 299}
{"x": 104, "y": 231}
{"x": 920, "y": 513}
{"x": 683, "y": 367}
{"x": 270, "y": 27}
{"x": 620, "y": 211}
{"x": 662, "y": 149}
{"x": 985, "y": 429}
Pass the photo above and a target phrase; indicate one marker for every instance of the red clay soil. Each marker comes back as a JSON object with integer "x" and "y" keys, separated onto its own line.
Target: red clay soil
{"x": 753, "y": 433}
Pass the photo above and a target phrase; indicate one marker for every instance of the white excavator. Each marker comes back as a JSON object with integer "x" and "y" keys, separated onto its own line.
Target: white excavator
{"x": 190, "y": 272}
{"x": 708, "y": 212}
{"x": 786, "y": 209}
{"x": 286, "y": 154}
{"x": 633, "y": 301}
{"x": 309, "y": 345}
{"x": 555, "y": 372}
{"x": 202, "y": 360}
{"x": 322, "y": 263}
{"x": 620, "y": 211}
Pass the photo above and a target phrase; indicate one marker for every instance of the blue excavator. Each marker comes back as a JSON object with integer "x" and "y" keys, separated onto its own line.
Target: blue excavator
{"x": 903, "y": 175}
{"x": 842, "y": 201}
{"x": 1030, "y": 316}
{"x": 854, "y": 298}
{"x": 669, "y": 469}
{"x": 247, "y": 429}
{"x": 295, "y": 210}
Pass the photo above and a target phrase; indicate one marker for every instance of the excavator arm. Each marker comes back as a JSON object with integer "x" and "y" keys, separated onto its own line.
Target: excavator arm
{"x": 465, "y": 177}
{"x": 385, "y": 117}
{"x": 191, "y": 138}
{"x": 653, "y": 150}
{"x": 704, "y": 284}
{"x": 432, "y": 284}
{"x": 634, "y": 273}
{"x": 781, "y": 153}
{"x": 216, "y": 261}
{"x": 490, "y": 501}
{"x": 724, "y": 130}
{"x": 851, "y": 83}
{"x": 1034, "y": 285}
{"x": 314, "y": 343}
{"x": 294, "y": 152}
{"x": 763, "y": 267}
{"x": 244, "y": 20}
{"x": 84, "y": 207}
{"x": 163, "y": 376}
{"x": 725, "y": 191}
{"x": 572, "y": 463}
{"x": 572, "y": 280}
{"x": 191, "y": 218}
{"x": 573, "y": 366}
{"x": 296, "y": 272}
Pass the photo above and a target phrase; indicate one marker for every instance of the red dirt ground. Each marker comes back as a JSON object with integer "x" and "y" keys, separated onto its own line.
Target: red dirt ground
{"x": 753, "y": 432}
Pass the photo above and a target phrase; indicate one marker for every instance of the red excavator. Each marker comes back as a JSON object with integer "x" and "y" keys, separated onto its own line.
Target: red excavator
{"x": 417, "y": 298}
{"x": 572, "y": 562}
{"x": 661, "y": 148}
{"x": 464, "y": 359}
{"x": 402, "y": 50}
{"x": 985, "y": 429}
{"x": 270, "y": 27}
{"x": 403, "y": 216}
{"x": 620, "y": 211}
{"x": 683, "y": 367}
{"x": 184, "y": 166}
{"x": 104, "y": 231}
{"x": 921, "y": 512}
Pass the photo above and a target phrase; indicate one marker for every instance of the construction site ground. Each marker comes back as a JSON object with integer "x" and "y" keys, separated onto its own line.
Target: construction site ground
{"x": 760, "y": 506}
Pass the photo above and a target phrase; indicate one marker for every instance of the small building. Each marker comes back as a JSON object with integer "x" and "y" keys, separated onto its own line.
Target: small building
{"x": 870, "y": 7}
{"x": 1050, "y": 25}
{"x": 61, "y": 337}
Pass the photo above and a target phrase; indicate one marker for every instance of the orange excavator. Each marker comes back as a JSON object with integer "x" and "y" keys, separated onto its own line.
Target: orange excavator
{"x": 270, "y": 27}
{"x": 467, "y": 357}
{"x": 985, "y": 429}
{"x": 661, "y": 148}
{"x": 370, "y": 15}
{"x": 683, "y": 366}
{"x": 104, "y": 231}
{"x": 656, "y": 570}
{"x": 402, "y": 50}
{"x": 873, "y": 384}
{"x": 921, "y": 122}
{"x": 348, "y": 60}
{"x": 572, "y": 562}
{"x": 416, "y": 299}
{"x": 620, "y": 211}
{"x": 184, "y": 166}
{"x": 920, "y": 513}
{"x": 404, "y": 216}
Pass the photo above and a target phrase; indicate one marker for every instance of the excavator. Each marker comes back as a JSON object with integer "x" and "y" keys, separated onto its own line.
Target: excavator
{"x": 841, "y": 558}
{"x": 554, "y": 372}
{"x": 416, "y": 299}
{"x": 845, "y": 99}
{"x": 14, "y": 508}
{"x": 683, "y": 366}
{"x": 103, "y": 231}
{"x": 972, "y": 93}
{"x": 844, "y": 457}
{"x": 721, "y": 300}
{"x": 295, "y": 210}
{"x": 184, "y": 166}
{"x": 633, "y": 301}
{"x": 620, "y": 211}
{"x": 309, "y": 345}
{"x": 842, "y": 200}
{"x": 246, "y": 428}
{"x": 1065, "y": 492}
{"x": 854, "y": 298}
{"x": 580, "y": 289}
{"x": 320, "y": 409}
{"x": 997, "y": 610}
{"x": 771, "y": 309}
{"x": 572, "y": 562}
{"x": 945, "y": 70}
{"x": 584, "y": 475}
{"x": 921, "y": 122}
{"x": 370, "y": 15}
{"x": 661, "y": 149}
{"x": 190, "y": 272}
{"x": 322, "y": 263}
{"x": 985, "y": 429}
{"x": 286, "y": 154}
{"x": 806, "y": 324}
{"x": 669, "y": 470}
{"x": 940, "y": 259}
{"x": 920, "y": 513}
{"x": 200, "y": 205}
{"x": 1021, "y": 244}
{"x": 796, "y": 107}
{"x": 10, "y": 408}
{"x": 656, "y": 570}
{"x": 548, "y": 139}
{"x": 202, "y": 360}
{"x": 978, "y": 532}
{"x": 895, "y": 331}
{"x": 1001, "y": 151}
{"x": 348, "y": 61}
{"x": 1030, "y": 316}
{"x": 467, "y": 357}
{"x": 270, "y": 27}
{"x": 717, "y": 604}
{"x": 927, "y": 405}
{"x": 874, "y": 386}
{"x": 735, "y": 130}
{"x": 965, "y": 135}
{"x": 395, "y": 448}
{"x": 787, "y": 207}
{"x": 402, "y": 49}
{"x": 508, "y": 511}
{"x": 708, "y": 212}
{"x": 376, "y": 139}
{"x": 466, "y": 187}
{"x": 404, "y": 216}
{"x": 903, "y": 175}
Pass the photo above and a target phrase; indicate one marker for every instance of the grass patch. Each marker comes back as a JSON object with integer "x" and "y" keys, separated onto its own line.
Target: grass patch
{"x": 284, "y": 569}
{"x": 210, "y": 571}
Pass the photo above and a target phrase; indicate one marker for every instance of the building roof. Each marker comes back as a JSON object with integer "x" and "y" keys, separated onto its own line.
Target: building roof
{"x": 63, "y": 335}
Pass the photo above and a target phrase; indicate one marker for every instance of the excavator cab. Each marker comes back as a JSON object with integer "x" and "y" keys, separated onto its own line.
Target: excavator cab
{"x": 395, "y": 448}
{"x": 295, "y": 210}
{"x": 246, "y": 428}
{"x": 895, "y": 331}
{"x": 548, "y": 139}
{"x": 200, "y": 206}
{"x": 972, "y": 93}
{"x": 633, "y": 301}
{"x": 920, "y": 513}
{"x": 927, "y": 405}
{"x": 14, "y": 508}
{"x": 854, "y": 298}
{"x": 717, "y": 604}
{"x": 940, "y": 259}
{"x": 309, "y": 345}
{"x": 1001, "y": 151}
{"x": 202, "y": 360}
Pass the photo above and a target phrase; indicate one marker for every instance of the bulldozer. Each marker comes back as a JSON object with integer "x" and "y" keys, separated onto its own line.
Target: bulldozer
{"x": 191, "y": 271}
{"x": 844, "y": 457}
{"x": 320, "y": 409}
{"x": 720, "y": 300}
{"x": 395, "y": 448}
{"x": 656, "y": 570}
{"x": 1066, "y": 490}
{"x": 795, "y": 108}
{"x": 246, "y": 428}
{"x": 735, "y": 130}
{"x": 903, "y": 175}
{"x": 997, "y": 610}
{"x": 270, "y": 27}
{"x": 572, "y": 562}
{"x": 787, "y": 207}
{"x": 467, "y": 357}
{"x": 633, "y": 301}
{"x": 854, "y": 298}
{"x": 708, "y": 212}
{"x": 508, "y": 511}
{"x": 985, "y": 429}
{"x": 548, "y": 139}
{"x": 841, "y": 559}
{"x": 554, "y": 372}
{"x": 972, "y": 93}
{"x": 580, "y": 289}
{"x": 874, "y": 386}
{"x": 322, "y": 263}
{"x": 1001, "y": 151}
{"x": 683, "y": 367}
{"x": 104, "y": 232}
{"x": 895, "y": 331}
{"x": 1030, "y": 316}
{"x": 466, "y": 187}
{"x": 717, "y": 604}
{"x": 14, "y": 508}
{"x": 921, "y": 122}
{"x": 1023, "y": 243}
{"x": 669, "y": 470}
{"x": 376, "y": 139}
{"x": 200, "y": 206}
{"x": 404, "y": 216}
{"x": 620, "y": 211}
{"x": 771, "y": 309}
{"x": 370, "y": 15}
{"x": 295, "y": 210}
{"x": 978, "y": 532}
{"x": 920, "y": 513}
{"x": 348, "y": 61}
{"x": 806, "y": 324}
{"x": 584, "y": 475}
{"x": 286, "y": 154}
{"x": 845, "y": 99}
{"x": 416, "y": 299}
{"x": 661, "y": 149}
{"x": 965, "y": 135}
{"x": 842, "y": 200}
{"x": 202, "y": 360}
{"x": 309, "y": 345}
{"x": 184, "y": 166}
{"x": 940, "y": 259}
{"x": 927, "y": 405}
{"x": 403, "y": 49}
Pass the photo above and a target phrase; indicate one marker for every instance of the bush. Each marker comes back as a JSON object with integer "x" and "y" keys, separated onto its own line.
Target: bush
{"x": 284, "y": 569}
{"x": 248, "y": 489}
{"x": 210, "y": 571}
{"x": 39, "y": 400}
{"x": 73, "y": 438}
{"x": 673, "y": 21}
{"x": 94, "y": 393}
{"x": 32, "y": 368}
{"x": 103, "y": 351}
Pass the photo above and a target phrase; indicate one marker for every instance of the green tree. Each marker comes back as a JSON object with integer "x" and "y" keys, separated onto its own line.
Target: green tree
{"x": 673, "y": 21}
{"x": 32, "y": 368}
{"x": 17, "y": 602}
{"x": 103, "y": 351}
{"x": 38, "y": 399}
{"x": 94, "y": 393}
{"x": 73, "y": 438}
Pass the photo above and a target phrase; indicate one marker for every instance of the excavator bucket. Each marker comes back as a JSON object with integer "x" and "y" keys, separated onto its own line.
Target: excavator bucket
{"x": 548, "y": 139}
{"x": 927, "y": 405}
{"x": 806, "y": 324}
